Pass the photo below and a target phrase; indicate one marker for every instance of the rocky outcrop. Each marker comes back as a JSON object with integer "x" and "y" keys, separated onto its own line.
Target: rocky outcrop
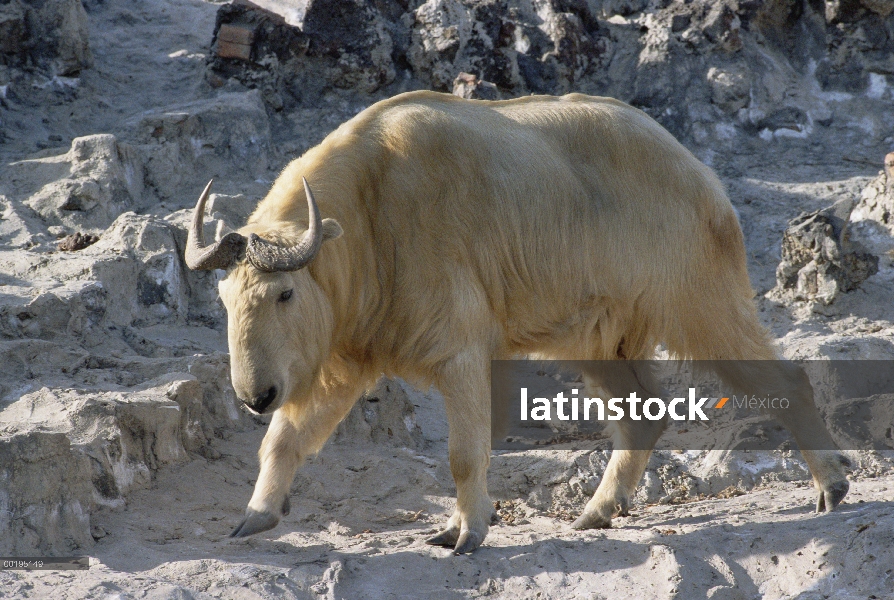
{"x": 184, "y": 145}
{"x": 49, "y": 35}
{"x": 104, "y": 179}
{"x": 539, "y": 47}
{"x": 177, "y": 149}
{"x": 708, "y": 71}
{"x": 876, "y": 201}
{"x": 819, "y": 260}
{"x": 66, "y": 452}
{"x": 291, "y": 51}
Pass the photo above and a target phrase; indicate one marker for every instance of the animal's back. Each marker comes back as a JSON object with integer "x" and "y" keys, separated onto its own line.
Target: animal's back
{"x": 564, "y": 208}
{"x": 573, "y": 217}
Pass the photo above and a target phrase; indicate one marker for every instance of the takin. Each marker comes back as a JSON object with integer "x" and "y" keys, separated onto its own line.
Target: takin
{"x": 461, "y": 231}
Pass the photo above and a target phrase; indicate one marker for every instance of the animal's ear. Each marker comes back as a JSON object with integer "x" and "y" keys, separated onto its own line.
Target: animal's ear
{"x": 331, "y": 229}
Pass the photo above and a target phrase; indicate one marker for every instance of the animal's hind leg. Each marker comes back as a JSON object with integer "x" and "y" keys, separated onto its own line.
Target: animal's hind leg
{"x": 632, "y": 441}
{"x": 293, "y": 435}
{"x": 784, "y": 379}
{"x": 466, "y": 388}
{"x": 750, "y": 364}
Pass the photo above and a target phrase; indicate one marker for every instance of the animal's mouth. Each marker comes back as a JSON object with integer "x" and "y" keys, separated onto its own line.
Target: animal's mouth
{"x": 262, "y": 402}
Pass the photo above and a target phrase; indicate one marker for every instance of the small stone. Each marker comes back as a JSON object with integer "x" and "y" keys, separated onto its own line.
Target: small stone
{"x": 215, "y": 80}
{"x": 209, "y": 453}
{"x": 730, "y": 89}
{"x": 470, "y": 87}
{"x": 77, "y": 241}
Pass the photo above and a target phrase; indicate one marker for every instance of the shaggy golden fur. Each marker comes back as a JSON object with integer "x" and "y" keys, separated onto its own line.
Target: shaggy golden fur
{"x": 571, "y": 228}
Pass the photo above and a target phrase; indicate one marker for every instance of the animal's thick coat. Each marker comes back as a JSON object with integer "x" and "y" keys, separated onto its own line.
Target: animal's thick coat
{"x": 573, "y": 227}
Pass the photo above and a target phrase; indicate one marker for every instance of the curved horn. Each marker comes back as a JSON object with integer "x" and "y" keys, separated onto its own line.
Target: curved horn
{"x": 269, "y": 257}
{"x": 217, "y": 256}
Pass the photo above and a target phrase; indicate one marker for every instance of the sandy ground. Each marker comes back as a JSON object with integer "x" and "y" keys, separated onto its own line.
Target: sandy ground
{"x": 361, "y": 510}
{"x": 361, "y": 535}
{"x": 360, "y": 513}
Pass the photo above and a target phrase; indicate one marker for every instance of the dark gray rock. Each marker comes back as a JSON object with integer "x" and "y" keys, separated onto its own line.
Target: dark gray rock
{"x": 454, "y": 36}
{"x": 623, "y": 7}
{"x": 292, "y": 51}
{"x": 708, "y": 71}
{"x": 819, "y": 260}
{"x": 543, "y": 47}
{"x": 76, "y": 241}
{"x": 51, "y": 35}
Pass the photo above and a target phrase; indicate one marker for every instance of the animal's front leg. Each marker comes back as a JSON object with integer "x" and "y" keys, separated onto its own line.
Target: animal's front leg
{"x": 469, "y": 459}
{"x": 468, "y": 415}
{"x": 295, "y": 433}
{"x": 280, "y": 457}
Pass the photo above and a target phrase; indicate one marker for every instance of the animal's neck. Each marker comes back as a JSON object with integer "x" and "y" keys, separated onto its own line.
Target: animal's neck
{"x": 353, "y": 275}
{"x": 355, "y": 270}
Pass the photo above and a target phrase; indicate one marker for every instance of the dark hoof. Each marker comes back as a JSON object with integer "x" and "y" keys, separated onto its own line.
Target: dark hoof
{"x": 468, "y": 541}
{"x": 495, "y": 518}
{"x": 589, "y": 521}
{"x": 286, "y": 506}
{"x": 623, "y": 507}
{"x": 446, "y": 538}
{"x": 832, "y": 497}
{"x": 254, "y": 522}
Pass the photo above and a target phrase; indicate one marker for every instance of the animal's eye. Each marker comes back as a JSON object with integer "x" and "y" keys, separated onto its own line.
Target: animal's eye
{"x": 284, "y": 297}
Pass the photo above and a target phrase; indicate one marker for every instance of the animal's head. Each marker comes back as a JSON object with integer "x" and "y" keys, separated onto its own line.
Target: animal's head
{"x": 279, "y": 321}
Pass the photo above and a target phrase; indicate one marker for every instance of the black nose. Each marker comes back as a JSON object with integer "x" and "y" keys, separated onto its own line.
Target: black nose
{"x": 260, "y": 403}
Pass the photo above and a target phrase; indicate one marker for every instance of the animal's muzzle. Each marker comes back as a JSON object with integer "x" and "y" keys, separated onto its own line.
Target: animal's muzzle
{"x": 260, "y": 403}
